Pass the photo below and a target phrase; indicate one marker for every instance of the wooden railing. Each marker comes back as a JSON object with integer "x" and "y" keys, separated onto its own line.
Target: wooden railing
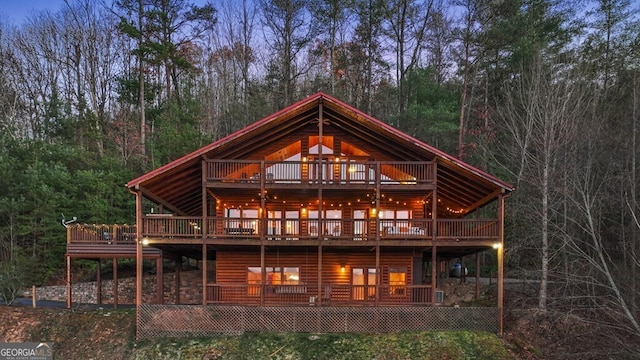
{"x": 101, "y": 234}
{"x": 335, "y": 171}
{"x": 167, "y": 226}
{"x": 331, "y": 294}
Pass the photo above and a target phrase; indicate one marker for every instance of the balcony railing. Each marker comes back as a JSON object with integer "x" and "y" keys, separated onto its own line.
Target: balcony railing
{"x": 331, "y": 294}
{"x": 166, "y": 226}
{"x": 101, "y": 234}
{"x": 337, "y": 171}
{"x": 286, "y": 229}
{"x": 325, "y": 229}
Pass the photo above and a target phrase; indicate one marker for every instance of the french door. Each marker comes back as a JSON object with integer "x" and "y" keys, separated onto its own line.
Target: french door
{"x": 363, "y": 283}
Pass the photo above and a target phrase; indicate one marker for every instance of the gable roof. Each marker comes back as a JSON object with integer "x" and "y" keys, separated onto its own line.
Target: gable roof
{"x": 178, "y": 184}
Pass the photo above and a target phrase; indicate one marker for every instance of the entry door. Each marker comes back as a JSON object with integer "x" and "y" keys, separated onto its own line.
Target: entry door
{"x": 363, "y": 281}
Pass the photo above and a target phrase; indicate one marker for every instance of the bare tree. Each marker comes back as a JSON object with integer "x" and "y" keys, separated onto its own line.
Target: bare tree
{"x": 406, "y": 26}
{"x": 540, "y": 118}
{"x": 288, "y": 33}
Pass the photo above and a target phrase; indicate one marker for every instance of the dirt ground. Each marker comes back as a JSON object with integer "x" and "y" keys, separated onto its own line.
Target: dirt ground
{"x": 90, "y": 334}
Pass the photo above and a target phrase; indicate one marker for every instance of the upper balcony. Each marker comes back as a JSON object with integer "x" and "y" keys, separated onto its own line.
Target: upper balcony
{"x": 342, "y": 172}
{"x": 183, "y": 229}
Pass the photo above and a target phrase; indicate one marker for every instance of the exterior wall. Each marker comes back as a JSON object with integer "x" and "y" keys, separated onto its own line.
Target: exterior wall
{"x": 231, "y": 266}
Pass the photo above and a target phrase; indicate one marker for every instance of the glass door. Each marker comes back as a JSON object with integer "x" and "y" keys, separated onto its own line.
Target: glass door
{"x": 363, "y": 283}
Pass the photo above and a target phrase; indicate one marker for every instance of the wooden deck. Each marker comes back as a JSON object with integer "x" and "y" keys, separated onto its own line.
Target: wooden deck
{"x": 181, "y": 229}
{"x": 331, "y": 295}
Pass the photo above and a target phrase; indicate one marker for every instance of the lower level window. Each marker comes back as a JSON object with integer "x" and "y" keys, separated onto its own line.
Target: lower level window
{"x": 274, "y": 275}
{"x": 397, "y": 281}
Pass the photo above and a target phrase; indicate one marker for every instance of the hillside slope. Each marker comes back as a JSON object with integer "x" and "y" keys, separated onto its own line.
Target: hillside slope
{"x": 110, "y": 334}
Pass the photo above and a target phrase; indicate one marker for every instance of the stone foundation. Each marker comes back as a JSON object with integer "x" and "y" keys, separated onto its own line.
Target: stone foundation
{"x": 87, "y": 292}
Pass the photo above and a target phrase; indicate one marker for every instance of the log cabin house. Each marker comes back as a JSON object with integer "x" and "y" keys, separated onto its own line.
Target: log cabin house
{"x": 315, "y": 208}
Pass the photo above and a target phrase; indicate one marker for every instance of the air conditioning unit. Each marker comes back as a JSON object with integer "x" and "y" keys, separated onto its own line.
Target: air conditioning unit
{"x": 439, "y": 297}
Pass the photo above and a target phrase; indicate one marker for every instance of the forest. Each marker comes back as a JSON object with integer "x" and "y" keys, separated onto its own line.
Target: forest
{"x": 544, "y": 94}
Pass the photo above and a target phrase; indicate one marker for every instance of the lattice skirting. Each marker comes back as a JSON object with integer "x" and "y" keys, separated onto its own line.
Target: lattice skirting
{"x": 199, "y": 321}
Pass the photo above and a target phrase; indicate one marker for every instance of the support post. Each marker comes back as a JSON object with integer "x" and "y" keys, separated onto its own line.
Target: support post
{"x": 477, "y": 276}
{"x": 99, "y": 282}
{"x": 500, "y": 253}
{"x": 115, "y": 282}
{"x": 139, "y": 257}
{"x": 204, "y": 273}
{"x": 159, "y": 280}
{"x": 178, "y": 273}
{"x": 263, "y": 274}
{"x": 69, "y": 282}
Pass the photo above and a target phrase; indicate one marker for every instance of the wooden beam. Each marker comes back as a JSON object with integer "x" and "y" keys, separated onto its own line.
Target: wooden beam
{"x": 177, "y": 279}
{"x": 99, "y": 282}
{"x": 159, "y": 281}
{"x": 150, "y": 195}
{"x": 115, "y": 282}
{"x": 500, "y": 251}
{"x": 204, "y": 273}
{"x": 139, "y": 258}
{"x": 69, "y": 282}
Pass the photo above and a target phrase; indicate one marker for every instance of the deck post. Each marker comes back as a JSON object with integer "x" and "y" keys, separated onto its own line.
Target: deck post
{"x": 320, "y": 295}
{"x": 434, "y": 236}
{"x": 99, "y": 282}
{"x": 204, "y": 273}
{"x": 139, "y": 257}
{"x": 115, "y": 282}
{"x": 159, "y": 280}
{"x": 263, "y": 274}
{"x": 68, "y": 282}
{"x": 477, "y": 275}
{"x": 178, "y": 271}
{"x": 500, "y": 253}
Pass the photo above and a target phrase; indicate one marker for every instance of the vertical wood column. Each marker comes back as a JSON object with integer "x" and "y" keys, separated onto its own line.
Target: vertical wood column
{"x": 115, "y": 282}
{"x": 434, "y": 235}
{"x": 177, "y": 279}
{"x": 263, "y": 274}
{"x": 99, "y": 282}
{"x": 139, "y": 257}
{"x": 320, "y": 207}
{"x": 68, "y": 271}
{"x": 204, "y": 273}
{"x": 477, "y": 276}
{"x": 500, "y": 253}
{"x": 160, "y": 280}
{"x": 205, "y": 208}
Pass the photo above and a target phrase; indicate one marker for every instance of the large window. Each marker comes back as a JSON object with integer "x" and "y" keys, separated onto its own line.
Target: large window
{"x": 397, "y": 281}
{"x": 274, "y": 275}
{"x": 332, "y": 223}
{"x": 394, "y": 221}
{"x": 241, "y": 219}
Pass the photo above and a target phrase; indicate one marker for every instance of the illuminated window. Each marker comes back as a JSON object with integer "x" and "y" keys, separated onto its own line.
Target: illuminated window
{"x": 274, "y": 275}
{"x": 397, "y": 281}
{"x": 254, "y": 279}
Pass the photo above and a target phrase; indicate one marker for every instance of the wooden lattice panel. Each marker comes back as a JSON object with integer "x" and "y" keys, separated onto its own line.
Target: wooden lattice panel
{"x": 197, "y": 320}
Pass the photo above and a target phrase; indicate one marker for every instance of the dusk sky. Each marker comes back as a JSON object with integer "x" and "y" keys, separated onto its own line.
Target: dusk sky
{"x": 16, "y": 11}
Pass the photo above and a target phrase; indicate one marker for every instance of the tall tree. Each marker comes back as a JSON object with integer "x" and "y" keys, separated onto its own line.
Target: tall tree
{"x": 406, "y": 24}
{"x": 288, "y": 33}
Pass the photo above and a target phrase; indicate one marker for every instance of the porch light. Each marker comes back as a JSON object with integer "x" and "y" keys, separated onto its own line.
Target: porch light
{"x": 497, "y": 246}
{"x": 145, "y": 241}
{"x": 342, "y": 268}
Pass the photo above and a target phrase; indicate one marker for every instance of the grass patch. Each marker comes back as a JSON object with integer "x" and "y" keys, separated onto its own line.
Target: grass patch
{"x": 415, "y": 345}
